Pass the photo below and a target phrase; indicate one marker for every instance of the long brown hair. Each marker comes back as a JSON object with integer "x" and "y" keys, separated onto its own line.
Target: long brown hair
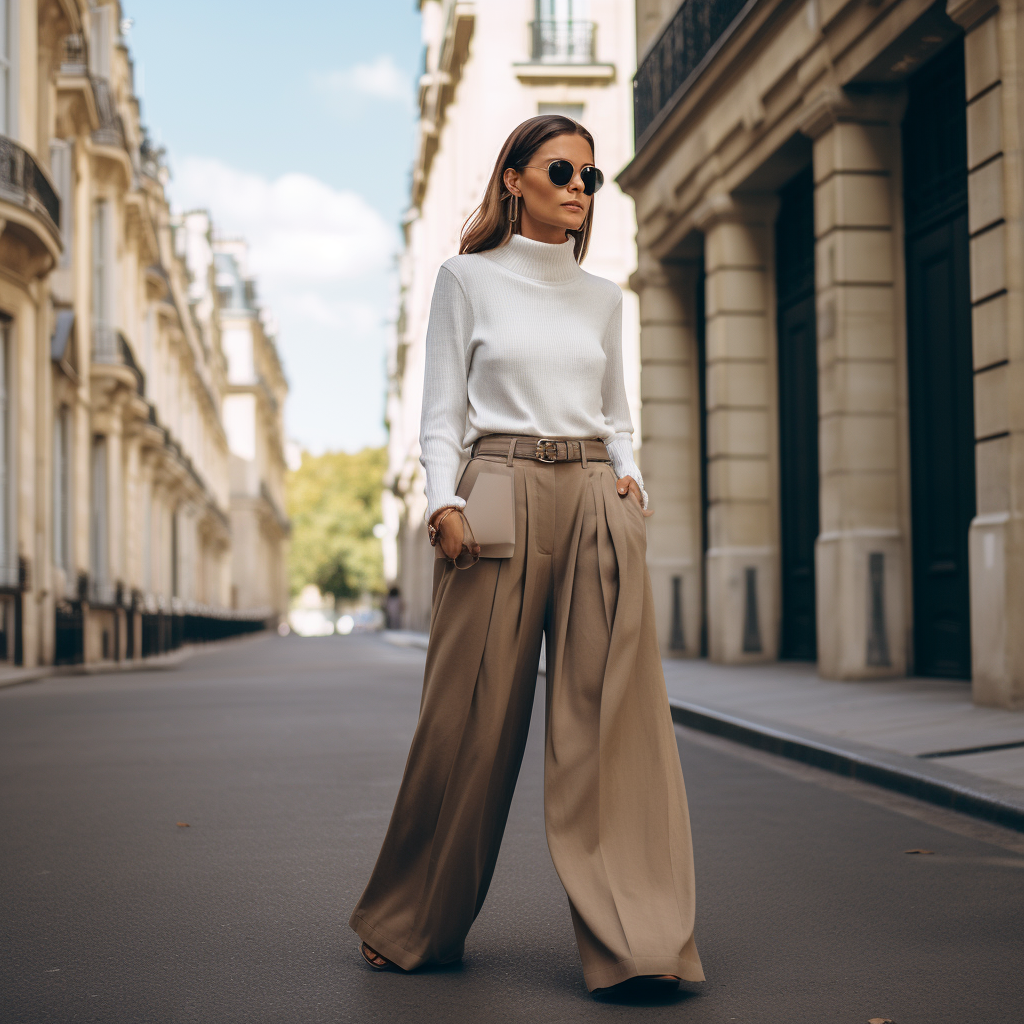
{"x": 489, "y": 226}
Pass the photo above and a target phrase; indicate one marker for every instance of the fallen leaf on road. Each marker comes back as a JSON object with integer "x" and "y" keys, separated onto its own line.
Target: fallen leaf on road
{"x": 887, "y": 1020}
{"x": 917, "y": 851}
{"x": 185, "y": 824}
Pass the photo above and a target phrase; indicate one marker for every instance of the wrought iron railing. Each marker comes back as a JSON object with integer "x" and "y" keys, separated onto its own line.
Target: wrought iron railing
{"x": 73, "y": 57}
{"x": 105, "y": 348}
{"x": 563, "y": 42}
{"x": 102, "y": 592}
{"x": 111, "y": 129}
{"x": 22, "y": 181}
{"x": 128, "y": 359}
{"x": 687, "y": 40}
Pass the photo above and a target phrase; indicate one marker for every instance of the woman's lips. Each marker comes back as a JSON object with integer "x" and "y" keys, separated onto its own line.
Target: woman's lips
{"x": 575, "y": 207}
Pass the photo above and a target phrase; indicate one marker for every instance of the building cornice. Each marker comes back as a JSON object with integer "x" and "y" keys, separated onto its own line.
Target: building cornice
{"x": 967, "y": 13}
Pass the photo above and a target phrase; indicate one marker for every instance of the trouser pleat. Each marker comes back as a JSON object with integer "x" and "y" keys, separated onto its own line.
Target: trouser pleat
{"x": 615, "y": 805}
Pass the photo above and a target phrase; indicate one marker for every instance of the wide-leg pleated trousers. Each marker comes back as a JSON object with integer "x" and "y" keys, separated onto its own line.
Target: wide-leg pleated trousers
{"x": 615, "y": 808}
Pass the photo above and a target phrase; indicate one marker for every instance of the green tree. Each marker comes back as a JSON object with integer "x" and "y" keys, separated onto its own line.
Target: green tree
{"x": 334, "y": 504}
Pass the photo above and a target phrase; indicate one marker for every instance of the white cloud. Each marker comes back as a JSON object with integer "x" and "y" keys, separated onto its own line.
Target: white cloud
{"x": 296, "y": 225}
{"x": 381, "y": 79}
{"x": 323, "y": 261}
{"x": 355, "y": 318}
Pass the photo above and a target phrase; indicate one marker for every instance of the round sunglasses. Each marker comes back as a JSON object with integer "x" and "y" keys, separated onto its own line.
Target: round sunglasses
{"x": 561, "y": 173}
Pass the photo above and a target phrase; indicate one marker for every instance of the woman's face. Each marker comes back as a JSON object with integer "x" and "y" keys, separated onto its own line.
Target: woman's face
{"x": 552, "y": 209}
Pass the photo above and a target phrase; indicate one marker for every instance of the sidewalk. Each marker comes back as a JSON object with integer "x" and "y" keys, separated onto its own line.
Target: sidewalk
{"x": 928, "y": 719}
{"x": 922, "y": 737}
{"x": 155, "y": 662}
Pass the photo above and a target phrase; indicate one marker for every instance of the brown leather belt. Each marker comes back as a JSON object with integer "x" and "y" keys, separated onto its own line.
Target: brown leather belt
{"x": 543, "y": 449}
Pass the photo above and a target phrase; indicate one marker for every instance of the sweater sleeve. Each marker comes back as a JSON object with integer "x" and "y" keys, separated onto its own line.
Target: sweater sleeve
{"x": 445, "y": 400}
{"x": 616, "y": 408}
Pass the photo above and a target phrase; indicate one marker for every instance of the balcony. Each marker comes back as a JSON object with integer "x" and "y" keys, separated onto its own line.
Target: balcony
{"x": 562, "y": 42}
{"x": 678, "y": 56}
{"x": 109, "y": 348}
{"x": 111, "y": 128}
{"x": 74, "y": 59}
{"x": 30, "y": 210}
{"x": 563, "y": 51}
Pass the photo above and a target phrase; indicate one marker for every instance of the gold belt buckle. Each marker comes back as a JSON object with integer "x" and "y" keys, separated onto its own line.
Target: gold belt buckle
{"x": 545, "y": 448}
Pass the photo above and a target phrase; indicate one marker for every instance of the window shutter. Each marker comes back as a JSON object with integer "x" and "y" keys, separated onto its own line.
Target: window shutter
{"x": 7, "y": 569}
{"x": 62, "y": 162}
{"x": 5, "y": 68}
{"x": 100, "y": 41}
{"x": 99, "y": 516}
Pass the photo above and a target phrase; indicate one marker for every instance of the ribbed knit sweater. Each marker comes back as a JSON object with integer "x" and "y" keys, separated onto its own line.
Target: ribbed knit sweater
{"x": 521, "y": 341}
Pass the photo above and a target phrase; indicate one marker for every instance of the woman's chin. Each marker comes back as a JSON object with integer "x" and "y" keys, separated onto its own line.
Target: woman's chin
{"x": 572, "y": 224}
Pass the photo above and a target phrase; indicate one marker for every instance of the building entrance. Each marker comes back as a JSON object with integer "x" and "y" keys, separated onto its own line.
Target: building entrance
{"x": 798, "y": 413}
{"x": 940, "y": 365}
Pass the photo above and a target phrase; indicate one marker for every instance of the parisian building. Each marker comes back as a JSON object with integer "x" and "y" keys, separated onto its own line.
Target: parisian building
{"x": 488, "y": 65}
{"x": 120, "y": 490}
{"x": 830, "y": 277}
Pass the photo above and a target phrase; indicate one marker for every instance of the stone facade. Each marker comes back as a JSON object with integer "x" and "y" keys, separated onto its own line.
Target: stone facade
{"x": 490, "y": 65}
{"x": 829, "y": 200}
{"x": 116, "y": 530}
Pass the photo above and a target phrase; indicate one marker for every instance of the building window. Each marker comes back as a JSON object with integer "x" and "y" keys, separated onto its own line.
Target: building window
{"x": 147, "y": 537}
{"x": 62, "y": 170}
{"x": 104, "y": 344}
{"x": 100, "y": 41}
{"x": 174, "y": 553}
{"x": 573, "y": 110}
{"x": 563, "y": 32}
{"x": 8, "y": 561}
{"x": 6, "y": 72}
{"x": 62, "y": 490}
{"x": 99, "y": 525}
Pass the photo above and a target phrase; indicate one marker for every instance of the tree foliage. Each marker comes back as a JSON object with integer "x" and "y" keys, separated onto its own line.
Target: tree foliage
{"x": 334, "y": 504}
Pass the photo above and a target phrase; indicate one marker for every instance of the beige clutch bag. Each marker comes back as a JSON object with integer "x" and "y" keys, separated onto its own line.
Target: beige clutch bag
{"x": 490, "y": 493}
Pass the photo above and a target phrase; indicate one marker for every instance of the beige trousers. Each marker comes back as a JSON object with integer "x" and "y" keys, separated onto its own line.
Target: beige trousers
{"x": 615, "y": 807}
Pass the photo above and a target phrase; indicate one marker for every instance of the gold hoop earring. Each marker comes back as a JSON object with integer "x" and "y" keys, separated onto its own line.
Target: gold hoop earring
{"x": 513, "y": 209}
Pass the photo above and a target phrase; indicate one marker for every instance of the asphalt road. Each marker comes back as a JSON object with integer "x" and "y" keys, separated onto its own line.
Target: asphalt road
{"x": 283, "y": 757}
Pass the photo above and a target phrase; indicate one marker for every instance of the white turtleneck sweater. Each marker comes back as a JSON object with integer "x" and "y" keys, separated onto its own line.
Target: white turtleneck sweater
{"x": 521, "y": 341}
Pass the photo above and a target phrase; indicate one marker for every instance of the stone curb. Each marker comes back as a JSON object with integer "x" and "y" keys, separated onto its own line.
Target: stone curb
{"x": 155, "y": 663}
{"x": 937, "y": 784}
{"x": 404, "y": 638}
{"x": 20, "y": 676}
{"x": 933, "y": 783}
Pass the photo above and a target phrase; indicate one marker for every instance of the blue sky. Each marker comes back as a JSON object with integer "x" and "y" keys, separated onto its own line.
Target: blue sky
{"x": 294, "y": 124}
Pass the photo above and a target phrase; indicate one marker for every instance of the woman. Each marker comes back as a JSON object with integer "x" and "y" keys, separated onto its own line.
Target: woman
{"x": 523, "y": 347}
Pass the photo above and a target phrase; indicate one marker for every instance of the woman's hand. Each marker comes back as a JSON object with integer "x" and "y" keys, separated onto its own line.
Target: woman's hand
{"x": 627, "y": 486}
{"x": 451, "y": 535}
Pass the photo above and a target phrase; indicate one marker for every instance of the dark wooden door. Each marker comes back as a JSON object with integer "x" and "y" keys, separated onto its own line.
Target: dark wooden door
{"x": 940, "y": 370}
{"x": 798, "y": 414}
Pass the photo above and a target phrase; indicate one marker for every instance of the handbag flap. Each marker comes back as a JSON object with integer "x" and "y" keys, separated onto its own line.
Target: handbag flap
{"x": 490, "y": 507}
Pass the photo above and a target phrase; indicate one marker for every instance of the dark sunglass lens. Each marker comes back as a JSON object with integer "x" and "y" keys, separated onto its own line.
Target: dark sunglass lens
{"x": 593, "y": 179}
{"x": 560, "y": 173}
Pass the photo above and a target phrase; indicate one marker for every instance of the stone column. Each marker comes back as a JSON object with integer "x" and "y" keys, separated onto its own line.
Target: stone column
{"x": 743, "y": 553}
{"x": 995, "y": 106}
{"x": 133, "y": 537}
{"x": 670, "y": 454}
{"x": 116, "y": 540}
{"x": 133, "y": 482}
{"x": 861, "y": 560}
{"x": 43, "y": 470}
{"x": 28, "y": 395}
